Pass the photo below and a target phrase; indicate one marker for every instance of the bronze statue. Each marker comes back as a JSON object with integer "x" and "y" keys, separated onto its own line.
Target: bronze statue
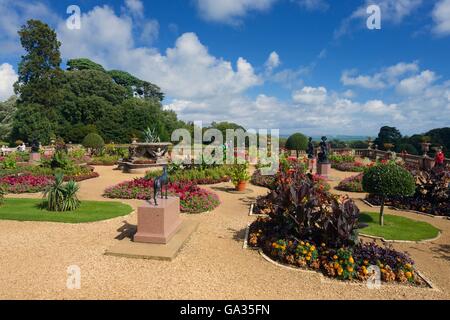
{"x": 323, "y": 154}
{"x": 35, "y": 146}
{"x": 159, "y": 184}
{"x": 310, "y": 150}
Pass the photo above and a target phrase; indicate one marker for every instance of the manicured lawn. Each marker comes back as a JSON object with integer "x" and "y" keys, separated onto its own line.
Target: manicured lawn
{"x": 90, "y": 211}
{"x": 397, "y": 228}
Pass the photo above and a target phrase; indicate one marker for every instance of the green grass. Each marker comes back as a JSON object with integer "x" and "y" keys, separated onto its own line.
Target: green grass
{"x": 397, "y": 228}
{"x": 89, "y": 211}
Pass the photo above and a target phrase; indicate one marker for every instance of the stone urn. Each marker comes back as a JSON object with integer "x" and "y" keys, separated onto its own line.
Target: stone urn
{"x": 425, "y": 148}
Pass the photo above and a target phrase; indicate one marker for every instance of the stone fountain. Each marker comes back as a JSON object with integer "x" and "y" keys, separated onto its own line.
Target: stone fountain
{"x": 144, "y": 156}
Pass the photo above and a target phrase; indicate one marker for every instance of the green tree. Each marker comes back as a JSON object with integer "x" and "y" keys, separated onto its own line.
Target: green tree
{"x": 297, "y": 142}
{"x": 84, "y": 64}
{"x": 386, "y": 181}
{"x": 7, "y": 111}
{"x": 40, "y": 66}
{"x": 31, "y": 122}
{"x": 387, "y": 135}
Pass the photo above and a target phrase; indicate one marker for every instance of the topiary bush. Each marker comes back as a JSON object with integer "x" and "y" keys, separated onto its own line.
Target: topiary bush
{"x": 387, "y": 180}
{"x": 297, "y": 142}
{"x": 94, "y": 142}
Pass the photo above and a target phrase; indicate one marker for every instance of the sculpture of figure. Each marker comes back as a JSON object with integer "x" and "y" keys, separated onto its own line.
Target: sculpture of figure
{"x": 35, "y": 146}
{"x": 131, "y": 152}
{"x": 159, "y": 184}
{"x": 310, "y": 150}
{"x": 323, "y": 154}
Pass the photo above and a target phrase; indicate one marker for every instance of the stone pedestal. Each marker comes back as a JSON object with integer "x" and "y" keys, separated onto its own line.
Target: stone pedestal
{"x": 35, "y": 157}
{"x": 312, "y": 164}
{"x": 324, "y": 169}
{"x": 158, "y": 224}
{"x": 428, "y": 163}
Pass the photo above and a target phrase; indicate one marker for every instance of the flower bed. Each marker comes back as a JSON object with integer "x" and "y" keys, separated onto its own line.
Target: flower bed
{"x": 25, "y": 183}
{"x": 265, "y": 181}
{"x": 193, "y": 199}
{"x": 195, "y": 175}
{"x": 349, "y": 166}
{"x": 343, "y": 263}
{"x": 352, "y": 184}
{"x": 308, "y": 227}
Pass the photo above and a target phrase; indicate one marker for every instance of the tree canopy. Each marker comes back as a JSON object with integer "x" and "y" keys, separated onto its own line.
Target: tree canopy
{"x": 81, "y": 100}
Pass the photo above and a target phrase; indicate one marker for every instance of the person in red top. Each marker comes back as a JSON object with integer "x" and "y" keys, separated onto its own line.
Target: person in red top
{"x": 440, "y": 158}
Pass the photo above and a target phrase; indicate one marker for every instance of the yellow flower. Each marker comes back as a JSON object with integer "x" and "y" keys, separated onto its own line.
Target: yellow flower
{"x": 305, "y": 252}
{"x": 313, "y": 248}
{"x": 349, "y": 269}
{"x": 308, "y": 258}
{"x": 335, "y": 257}
{"x": 340, "y": 271}
{"x": 302, "y": 243}
{"x": 351, "y": 260}
{"x": 366, "y": 262}
{"x": 336, "y": 265}
{"x": 408, "y": 266}
{"x": 408, "y": 275}
{"x": 323, "y": 245}
{"x": 307, "y": 244}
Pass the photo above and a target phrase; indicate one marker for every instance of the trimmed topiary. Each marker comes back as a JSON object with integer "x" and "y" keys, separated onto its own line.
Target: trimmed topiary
{"x": 387, "y": 180}
{"x": 297, "y": 142}
{"x": 94, "y": 142}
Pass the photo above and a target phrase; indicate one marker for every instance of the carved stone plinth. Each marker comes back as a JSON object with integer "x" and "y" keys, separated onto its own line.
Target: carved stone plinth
{"x": 158, "y": 224}
{"x": 324, "y": 169}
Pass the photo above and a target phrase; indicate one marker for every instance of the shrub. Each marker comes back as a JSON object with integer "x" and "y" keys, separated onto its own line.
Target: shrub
{"x": 94, "y": 142}
{"x": 9, "y": 162}
{"x": 301, "y": 207}
{"x": 239, "y": 173}
{"x": 195, "y": 175}
{"x": 388, "y": 180}
{"x": 297, "y": 142}
{"x": 62, "y": 197}
{"x": 351, "y": 184}
{"x": 104, "y": 160}
{"x": 341, "y": 158}
{"x": 193, "y": 199}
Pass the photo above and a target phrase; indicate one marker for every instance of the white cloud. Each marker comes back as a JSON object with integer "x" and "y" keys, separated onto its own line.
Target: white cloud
{"x": 312, "y": 5}
{"x": 186, "y": 71}
{"x": 273, "y": 61}
{"x": 136, "y": 7}
{"x": 416, "y": 84}
{"x": 387, "y": 77}
{"x": 441, "y": 17}
{"x": 150, "y": 31}
{"x": 230, "y": 11}
{"x": 14, "y": 14}
{"x": 8, "y": 77}
{"x": 392, "y": 11}
{"x": 310, "y": 96}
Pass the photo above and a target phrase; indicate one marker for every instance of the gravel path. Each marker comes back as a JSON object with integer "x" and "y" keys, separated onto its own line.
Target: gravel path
{"x": 34, "y": 258}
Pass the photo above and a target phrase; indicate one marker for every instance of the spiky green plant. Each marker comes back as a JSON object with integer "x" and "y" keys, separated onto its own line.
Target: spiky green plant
{"x": 150, "y": 136}
{"x": 71, "y": 201}
{"x": 55, "y": 194}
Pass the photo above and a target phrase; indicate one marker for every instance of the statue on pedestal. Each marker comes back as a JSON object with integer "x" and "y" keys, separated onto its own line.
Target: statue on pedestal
{"x": 310, "y": 150}
{"x": 35, "y": 146}
{"x": 324, "y": 151}
{"x": 159, "y": 184}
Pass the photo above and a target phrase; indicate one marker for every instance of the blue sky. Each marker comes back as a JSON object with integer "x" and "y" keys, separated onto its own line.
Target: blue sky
{"x": 297, "y": 65}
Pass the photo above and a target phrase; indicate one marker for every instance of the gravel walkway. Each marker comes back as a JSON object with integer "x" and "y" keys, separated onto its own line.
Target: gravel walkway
{"x": 34, "y": 258}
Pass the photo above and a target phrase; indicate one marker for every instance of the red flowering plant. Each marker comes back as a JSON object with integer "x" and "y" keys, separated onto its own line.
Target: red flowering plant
{"x": 25, "y": 183}
{"x": 193, "y": 199}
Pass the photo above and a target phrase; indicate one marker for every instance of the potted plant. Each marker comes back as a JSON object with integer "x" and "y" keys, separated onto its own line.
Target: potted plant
{"x": 239, "y": 176}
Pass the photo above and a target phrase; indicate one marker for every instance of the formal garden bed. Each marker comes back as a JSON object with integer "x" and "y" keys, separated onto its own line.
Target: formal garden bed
{"x": 307, "y": 227}
{"x": 200, "y": 175}
{"x": 193, "y": 199}
{"x": 432, "y": 194}
{"x": 351, "y": 184}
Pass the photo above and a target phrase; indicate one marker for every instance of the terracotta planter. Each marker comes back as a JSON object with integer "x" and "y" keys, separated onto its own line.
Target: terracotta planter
{"x": 241, "y": 186}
